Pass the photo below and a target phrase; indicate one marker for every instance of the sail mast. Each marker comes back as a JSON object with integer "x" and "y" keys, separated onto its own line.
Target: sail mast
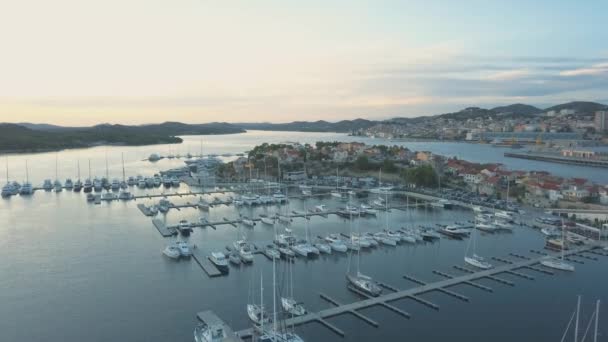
{"x": 597, "y": 318}
{"x": 27, "y": 173}
{"x": 122, "y": 155}
{"x": 274, "y": 296}
{"x": 578, "y": 309}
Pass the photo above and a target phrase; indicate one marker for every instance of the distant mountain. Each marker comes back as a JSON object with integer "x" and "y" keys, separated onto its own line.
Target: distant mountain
{"x": 581, "y": 107}
{"x": 343, "y": 126}
{"x": 518, "y": 109}
{"x": 17, "y": 138}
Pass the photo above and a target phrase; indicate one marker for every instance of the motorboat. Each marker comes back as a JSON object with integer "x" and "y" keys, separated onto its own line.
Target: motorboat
{"x": 368, "y": 210}
{"x": 394, "y": 235}
{"x": 88, "y": 185}
{"x": 267, "y": 220}
{"x": 382, "y": 238}
{"x": 78, "y": 185}
{"x": 97, "y": 185}
{"x": 125, "y": 195}
{"x": 184, "y": 249}
{"x": 213, "y": 329}
{"x": 300, "y": 250}
{"x": 220, "y": 261}
{"x": 292, "y": 307}
{"x": 154, "y": 157}
{"x": 108, "y": 196}
{"x": 174, "y": 181}
{"x": 184, "y": 227}
{"x": 234, "y": 259}
{"x": 279, "y": 197}
{"x": 166, "y": 181}
{"x": 153, "y": 210}
{"x": 306, "y": 192}
{"x": 69, "y": 184}
{"x": 248, "y": 222}
{"x": 244, "y": 251}
{"x": 430, "y": 235}
{"x": 321, "y": 208}
{"x": 164, "y": 205}
{"x": 141, "y": 183}
{"x": 47, "y": 185}
{"x": 336, "y": 243}
{"x": 477, "y": 261}
{"x": 26, "y": 189}
{"x": 364, "y": 283}
{"x": 172, "y": 251}
{"x": 131, "y": 181}
{"x": 7, "y": 190}
{"x": 157, "y": 181}
{"x": 203, "y": 205}
{"x": 550, "y": 231}
{"x": 336, "y": 194}
{"x": 57, "y": 185}
{"x": 504, "y": 215}
{"x": 323, "y": 247}
{"x": 442, "y": 204}
{"x": 485, "y": 227}
{"x": 149, "y": 182}
{"x": 271, "y": 252}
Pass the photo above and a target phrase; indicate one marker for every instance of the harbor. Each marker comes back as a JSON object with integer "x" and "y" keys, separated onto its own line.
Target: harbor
{"x": 126, "y": 238}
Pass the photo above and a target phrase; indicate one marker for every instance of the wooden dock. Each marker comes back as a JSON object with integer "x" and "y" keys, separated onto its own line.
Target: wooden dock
{"x": 203, "y": 261}
{"x": 441, "y": 285}
{"x": 164, "y": 230}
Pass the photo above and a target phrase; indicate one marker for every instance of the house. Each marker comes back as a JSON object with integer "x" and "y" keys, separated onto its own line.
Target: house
{"x": 472, "y": 176}
{"x": 575, "y": 193}
{"x": 295, "y": 176}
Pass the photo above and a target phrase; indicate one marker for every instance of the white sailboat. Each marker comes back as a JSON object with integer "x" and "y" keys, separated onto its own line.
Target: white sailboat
{"x": 559, "y": 263}
{"x": 336, "y": 193}
{"x": 358, "y": 280}
{"x": 475, "y": 260}
{"x": 7, "y": 189}
{"x": 289, "y": 303}
{"x": 256, "y": 312}
{"x": 57, "y": 183}
{"x": 26, "y": 188}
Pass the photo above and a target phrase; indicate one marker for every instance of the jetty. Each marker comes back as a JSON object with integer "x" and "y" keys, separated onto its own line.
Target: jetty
{"x": 442, "y": 286}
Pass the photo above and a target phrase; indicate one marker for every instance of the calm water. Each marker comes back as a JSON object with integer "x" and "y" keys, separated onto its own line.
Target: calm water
{"x": 71, "y": 271}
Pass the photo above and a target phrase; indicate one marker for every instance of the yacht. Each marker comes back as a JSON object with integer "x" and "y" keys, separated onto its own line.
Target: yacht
{"x": 172, "y": 251}
{"x": 257, "y": 314}
{"x": 184, "y": 227}
{"x": 364, "y": 283}
{"x": 336, "y": 193}
{"x": 213, "y": 329}
{"x": 154, "y": 157}
{"x": 504, "y": 215}
{"x": 174, "y": 181}
{"x": 131, "y": 181}
{"x": 69, "y": 184}
{"x": 97, "y": 185}
{"x": 248, "y": 222}
{"x": 368, "y": 210}
{"x": 477, "y": 261}
{"x": 279, "y": 197}
{"x": 57, "y": 186}
{"x": 202, "y": 204}
{"x": 442, "y": 204}
{"x": 108, "y": 196}
{"x": 149, "y": 182}
{"x": 336, "y": 243}
{"x": 184, "y": 249}
{"x": 234, "y": 259}
{"x": 292, "y": 307}
{"x": 166, "y": 181}
{"x": 141, "y": 183}
{"x": 88, "y": 185}
{"x": 244, "y": 251}
{"x": 485, "y": 227}
{"x": 7, "y": 190}
{"x": 430, "y": 235}
{"x": 267, "y": 220}
{"x": 77, "y": 185}
{"x": 321, "y": 208}
{"x": 382, "y": 238}
{"x": 115, "y": 184}
{"x": 271, "y": 252}
{"x": 559, "y": 263}
{"x": 26, "y": 189}
{"x": 164, "y": 205}
{"x": 220, "y": 261}
{"x": 157, "y": 181}
{"x": 124, "y": 195}
{"x": 300, "y": 249}
{"x": 323, "y": 246}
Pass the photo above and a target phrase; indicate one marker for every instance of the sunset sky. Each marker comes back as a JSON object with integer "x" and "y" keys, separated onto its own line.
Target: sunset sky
{"x": 81, "y": 62}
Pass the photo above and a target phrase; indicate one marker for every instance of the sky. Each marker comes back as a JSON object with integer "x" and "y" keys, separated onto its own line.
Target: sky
{"x": 82, "y": 62}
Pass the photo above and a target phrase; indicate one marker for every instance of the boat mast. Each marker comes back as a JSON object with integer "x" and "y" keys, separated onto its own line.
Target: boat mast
{"x": 578, "y": 309}
{"x": 107, "y": 173}
{"x": 7, "y": 170}
{"x": 27, "y": 173}
{"x": 122, "y": 155}
{"x": 597, "y": 319}
{"x": 274, "y": 296}
{"x": 56, "y": 168}
{"x": 89, "y": 168}
{"x": 262, "y": 299}
{"x": 78, "y": 167}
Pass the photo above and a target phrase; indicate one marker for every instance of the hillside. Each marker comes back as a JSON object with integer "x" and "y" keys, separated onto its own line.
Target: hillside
{"x": 518, "y": 109}
{"x": 343, "y": 126}
{"x": 580, "y": 107}
{"x": 17, "y": 138}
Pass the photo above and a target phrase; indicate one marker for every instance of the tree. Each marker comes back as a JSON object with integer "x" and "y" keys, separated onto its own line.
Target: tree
{"x": 423, "y": 175}
{"x": 362, "y": 163}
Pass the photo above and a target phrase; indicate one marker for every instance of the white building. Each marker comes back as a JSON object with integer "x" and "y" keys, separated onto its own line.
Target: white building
{"x": 566, "y": 111}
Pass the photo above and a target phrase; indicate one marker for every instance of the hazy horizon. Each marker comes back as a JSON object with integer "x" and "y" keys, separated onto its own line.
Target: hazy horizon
{"x": 80, "y": 63}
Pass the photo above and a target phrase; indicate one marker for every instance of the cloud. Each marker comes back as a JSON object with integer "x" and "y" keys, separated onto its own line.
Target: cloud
{"x": 596, "y": 69}
{"x": 508, "y": 75}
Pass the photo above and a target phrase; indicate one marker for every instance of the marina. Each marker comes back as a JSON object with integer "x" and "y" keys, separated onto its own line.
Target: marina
{"x": 119, "y": 233}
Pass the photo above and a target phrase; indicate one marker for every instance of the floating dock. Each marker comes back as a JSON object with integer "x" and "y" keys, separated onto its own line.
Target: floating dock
{"x": 203, "y": 261}
{"x": 164, "y": 230}
{"x": 442, "y": 285}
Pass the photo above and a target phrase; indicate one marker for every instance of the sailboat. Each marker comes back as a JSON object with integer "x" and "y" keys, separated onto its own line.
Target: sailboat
{"x": 289, "y": 303}
{"x": 88, "y": 185}
{"x": 124, "y": 194}
{"x": 7, "y": 189}
{"x": 78, "y": 183}
{"x": 559, "y": 264}
{"x": 274, "y": 333}
{"x": 57, "y": 184}
{"x": 358, "y": 280}
{"x": 336, "y": 193}
{"x": 26, "y": 188}
{"x": 595, "y": 318}
{"x": 476, "y": 260}
{"x": 256, "y": 312}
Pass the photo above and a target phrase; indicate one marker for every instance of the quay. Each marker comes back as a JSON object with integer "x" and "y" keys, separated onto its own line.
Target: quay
{"x": 442, "y": 285}
{"x": 559, "y": 159}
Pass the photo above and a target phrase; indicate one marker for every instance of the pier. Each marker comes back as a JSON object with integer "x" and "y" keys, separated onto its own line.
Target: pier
{"x": 442, "y": 286}
{"x": 203, "y": 261}
{"x": 556, "y": 158}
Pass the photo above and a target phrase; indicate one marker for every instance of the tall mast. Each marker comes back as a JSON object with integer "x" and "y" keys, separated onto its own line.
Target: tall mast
{"x": 78, "y": 167}
{"x": 27, "y": 173}
{"x": 122, "y": 155}
{"x": 274, "y": 296}
{"x": 56, "y": 167}
{"x": 6, "y": 169}
{"x": 597, "y": 319}
{"x": 89, "y": 168}
{"x": 262, "y": 299}
{"x": 578, "y": 309}
{"x": 107, "y": 173}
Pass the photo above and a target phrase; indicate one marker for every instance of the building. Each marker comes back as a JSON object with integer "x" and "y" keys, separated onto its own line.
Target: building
{"x": 601, "y": 120}
{"x": 567, "y": 111}
{"x": 295, "y": 176}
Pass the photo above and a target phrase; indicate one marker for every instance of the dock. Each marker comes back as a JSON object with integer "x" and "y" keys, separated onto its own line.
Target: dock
{"x": 203, "y": 261}
{"x": 442, "y": 286}
{"x": 164, "y": 230}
